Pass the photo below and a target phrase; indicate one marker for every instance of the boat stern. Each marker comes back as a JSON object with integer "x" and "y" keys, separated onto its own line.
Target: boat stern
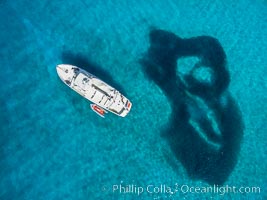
{"x": 126, "y": 109}
{"x": 120, "y": 108}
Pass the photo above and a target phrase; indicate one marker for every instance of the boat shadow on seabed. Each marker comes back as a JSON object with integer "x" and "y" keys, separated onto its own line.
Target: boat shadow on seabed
{"x": 205, "y": 127}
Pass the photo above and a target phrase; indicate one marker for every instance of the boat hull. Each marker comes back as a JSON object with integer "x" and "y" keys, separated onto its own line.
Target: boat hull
{"x": 94, "y": 89}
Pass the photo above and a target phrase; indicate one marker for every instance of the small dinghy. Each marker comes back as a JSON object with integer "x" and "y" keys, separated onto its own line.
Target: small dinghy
{"x": 100, "y": 111}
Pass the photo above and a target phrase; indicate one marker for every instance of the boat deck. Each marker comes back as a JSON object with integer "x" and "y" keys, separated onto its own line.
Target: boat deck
{"x": 94, "y": 89}
{"x": 99, "y": 92}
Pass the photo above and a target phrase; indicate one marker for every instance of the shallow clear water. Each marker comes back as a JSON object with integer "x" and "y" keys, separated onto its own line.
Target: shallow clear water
{"x": 54, "y": 147}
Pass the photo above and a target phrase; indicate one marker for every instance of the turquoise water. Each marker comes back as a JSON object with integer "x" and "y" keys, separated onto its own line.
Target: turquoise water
{"x": 54, "y": 147}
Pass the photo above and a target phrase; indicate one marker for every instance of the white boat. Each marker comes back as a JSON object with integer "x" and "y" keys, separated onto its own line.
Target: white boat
{"x": 104, "y": 97}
